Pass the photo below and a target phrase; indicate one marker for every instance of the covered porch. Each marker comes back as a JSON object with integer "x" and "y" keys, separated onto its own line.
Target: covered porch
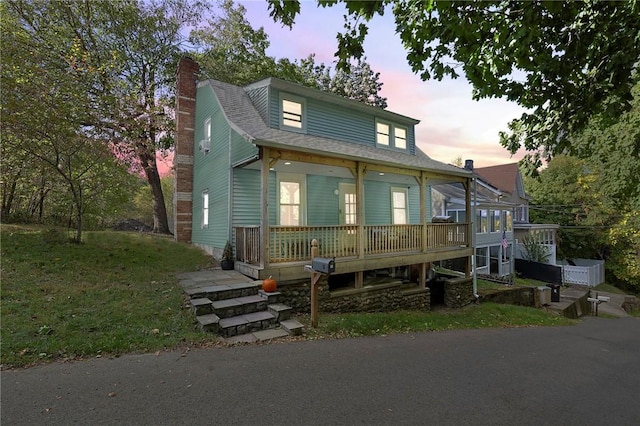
{"x": 356, "y": 239}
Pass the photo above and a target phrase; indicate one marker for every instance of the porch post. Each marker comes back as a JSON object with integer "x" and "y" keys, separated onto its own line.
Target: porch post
{"x": 422, "y": 275}
{"x": 423, "y": 208}
{"x": 360, "y": 208}
{"x": 264, "y": 208}
{"x": 470, "y": 232}
{"x": 360, "y": 220}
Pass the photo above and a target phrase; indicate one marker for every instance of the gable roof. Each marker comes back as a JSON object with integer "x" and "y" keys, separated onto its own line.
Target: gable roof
{"x": 504, "y": 177}
{"x": 308, "y": 92}
{"x": 245, "y": 119}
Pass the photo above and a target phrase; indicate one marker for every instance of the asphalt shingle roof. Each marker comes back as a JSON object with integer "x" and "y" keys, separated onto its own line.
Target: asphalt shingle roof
{"x": 245, "y": 119}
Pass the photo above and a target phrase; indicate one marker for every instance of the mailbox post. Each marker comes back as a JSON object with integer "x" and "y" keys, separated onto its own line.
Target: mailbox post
{"x": 319, "y": 266}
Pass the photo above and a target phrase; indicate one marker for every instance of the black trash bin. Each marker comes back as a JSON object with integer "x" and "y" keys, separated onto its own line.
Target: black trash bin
{"x": 555, "y": 292}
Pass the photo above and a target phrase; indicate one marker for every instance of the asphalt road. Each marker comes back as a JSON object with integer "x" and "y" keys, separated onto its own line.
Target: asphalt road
{"x": 588, "y": 374}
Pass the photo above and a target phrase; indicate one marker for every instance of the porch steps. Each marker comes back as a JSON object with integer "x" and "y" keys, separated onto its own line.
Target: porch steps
{"x": 223, "y": 291}
{"x": 243, "y": 312}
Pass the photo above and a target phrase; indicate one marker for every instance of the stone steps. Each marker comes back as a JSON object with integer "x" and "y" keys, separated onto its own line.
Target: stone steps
{"x": 223, "y": 291}
{"x": 242, "y": 309}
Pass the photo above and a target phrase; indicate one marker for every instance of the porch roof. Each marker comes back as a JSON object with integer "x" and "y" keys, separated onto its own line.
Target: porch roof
{"x": 245, "y": 119}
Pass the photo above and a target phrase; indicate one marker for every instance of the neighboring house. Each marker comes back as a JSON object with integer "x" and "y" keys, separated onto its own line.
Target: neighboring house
{"x": 275, "y": 165}
{"x": 493, "y": 222}
{"x": 508, "y": 180}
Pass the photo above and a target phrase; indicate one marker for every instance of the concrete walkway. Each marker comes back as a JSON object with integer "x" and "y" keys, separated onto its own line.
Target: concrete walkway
{"x": 570, "y": 294}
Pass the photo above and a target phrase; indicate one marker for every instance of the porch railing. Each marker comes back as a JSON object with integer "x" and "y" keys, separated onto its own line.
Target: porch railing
{"x": 293, "y": 243}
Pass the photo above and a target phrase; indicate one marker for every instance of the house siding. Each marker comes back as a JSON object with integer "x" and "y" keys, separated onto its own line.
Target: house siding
{"x": 260, "y": 99}
{"x": 211, "y": 173}
{"x": 241, "y": 149}
{"x": 246, "y": 197}
{"x": 322, "y": 203}
{"x": 334, "y": 121}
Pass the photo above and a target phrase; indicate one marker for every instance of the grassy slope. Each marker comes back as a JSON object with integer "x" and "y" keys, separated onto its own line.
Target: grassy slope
{"x": 114, "y": 293}
{"x": 117, "y": 293}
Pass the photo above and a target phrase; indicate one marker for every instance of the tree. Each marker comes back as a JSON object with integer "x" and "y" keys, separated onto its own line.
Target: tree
{"x": 563, "y": 61}
{"x": 575, "y": 194}
{"x": 231, "y": 50}
{"x": 123, "y": 55}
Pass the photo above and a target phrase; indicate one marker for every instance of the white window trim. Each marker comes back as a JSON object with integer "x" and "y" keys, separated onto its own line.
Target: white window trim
{"x": 405, "y": 191}
{"x": 205, "y": 209}
{"x": 388, "y": 135}
{"x": 302, "y": 180}
{"x": 303, "y": 115}
{"x": 392, "y": 136}
{"x": 405, "y": 139}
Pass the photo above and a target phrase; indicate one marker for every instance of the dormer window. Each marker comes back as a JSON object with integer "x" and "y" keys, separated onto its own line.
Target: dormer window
{"x": 389, "y": 135}
{"x": 292, "y": 113}
{"x": 400, "y": 138}
{"x": 382, "y": 134}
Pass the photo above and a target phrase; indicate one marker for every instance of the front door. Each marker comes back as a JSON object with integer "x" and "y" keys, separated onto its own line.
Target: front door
{"x": 348, "y": 205}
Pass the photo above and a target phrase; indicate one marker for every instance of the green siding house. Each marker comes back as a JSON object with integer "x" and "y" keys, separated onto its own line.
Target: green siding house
{"x": 275, "y": 166}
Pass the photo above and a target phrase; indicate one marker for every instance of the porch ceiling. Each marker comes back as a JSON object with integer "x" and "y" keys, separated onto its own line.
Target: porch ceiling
{"x": 300, "y": 167}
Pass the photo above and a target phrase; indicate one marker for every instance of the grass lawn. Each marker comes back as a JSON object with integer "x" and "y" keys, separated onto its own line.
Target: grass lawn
{"x": 112, "y": 294}
{"x": 473, "y": 316}
{"x": 117, "y": 293}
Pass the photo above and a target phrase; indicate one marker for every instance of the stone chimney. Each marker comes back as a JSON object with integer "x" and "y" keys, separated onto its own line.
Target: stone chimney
{"x": 184, "y": 142}
{"x": 468, "y": 165}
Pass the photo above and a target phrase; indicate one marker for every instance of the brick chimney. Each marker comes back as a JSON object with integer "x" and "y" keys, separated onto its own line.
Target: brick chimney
{"x": 184, "y": 141}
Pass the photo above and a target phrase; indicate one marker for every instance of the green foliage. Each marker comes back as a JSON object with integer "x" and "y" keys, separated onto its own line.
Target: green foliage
{"x": 563, "y": 61}
{"x": 234, "y": 52}
{"x": 534, "y": 251}
{"x": 597, "y": 220}
{"x": 55, "y": 149}
{"x": 113, "y": 294}
{"x": 227, "y": 252}
{"x": 141, "y": 203}
{"x": 114, "y": 66}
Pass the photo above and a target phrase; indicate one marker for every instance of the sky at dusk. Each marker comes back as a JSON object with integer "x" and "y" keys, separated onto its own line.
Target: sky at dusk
{"x": 451, "y": 123}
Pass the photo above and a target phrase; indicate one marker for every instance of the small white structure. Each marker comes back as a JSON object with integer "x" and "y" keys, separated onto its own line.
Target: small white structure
{"x": 585, "y": 272}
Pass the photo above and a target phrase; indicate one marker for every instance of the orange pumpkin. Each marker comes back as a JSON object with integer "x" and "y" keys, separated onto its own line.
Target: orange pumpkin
{"x": 269, "y": 285}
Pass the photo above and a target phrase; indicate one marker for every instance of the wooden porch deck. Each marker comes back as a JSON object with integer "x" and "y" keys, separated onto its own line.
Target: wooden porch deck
{"x": 354, "y": 248}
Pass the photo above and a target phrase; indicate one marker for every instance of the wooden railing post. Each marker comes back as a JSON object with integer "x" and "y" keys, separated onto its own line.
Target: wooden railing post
{"x": 315, "y": 277}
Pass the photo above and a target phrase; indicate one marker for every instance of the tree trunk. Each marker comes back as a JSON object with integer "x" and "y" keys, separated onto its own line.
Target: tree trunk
{"x": 150, "y": 166}
{"x": 7, "y": 197}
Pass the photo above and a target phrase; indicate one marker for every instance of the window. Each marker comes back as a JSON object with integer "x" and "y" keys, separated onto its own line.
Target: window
{"x": 400, "y": 138}
{"x": 495, "y": 220}
{"x": 481, "y": 221}
{"x": 292, "y": 113}
{"x": 205, "y": 144}
{"x": 494, "y": 260}
{"x": 207, "y": 129}
{"x": 481, "y": 257}
{"x": 388, "y": 135}
{"x": 458, "y": 216}
{"x": 508, "y": 220}
{"x": 291, "y": 197}
{"x": 399, "y": 205}
{"x": 382, "y": 134}
{"x": 205, "y": 208}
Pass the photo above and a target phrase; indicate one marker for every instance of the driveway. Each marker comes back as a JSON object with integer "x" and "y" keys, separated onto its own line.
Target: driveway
{"x": 588, "y": 374}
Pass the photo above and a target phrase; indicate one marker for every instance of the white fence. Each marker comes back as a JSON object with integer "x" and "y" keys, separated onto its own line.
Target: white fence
{"x": 585, "y": 272}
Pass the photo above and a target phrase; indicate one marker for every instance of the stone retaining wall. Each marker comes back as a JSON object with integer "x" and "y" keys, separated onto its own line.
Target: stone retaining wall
{"x": 521, "y": 296}
{"x": 458, "y": 292}
{"x": 378, "y": 298}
